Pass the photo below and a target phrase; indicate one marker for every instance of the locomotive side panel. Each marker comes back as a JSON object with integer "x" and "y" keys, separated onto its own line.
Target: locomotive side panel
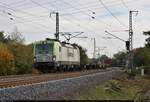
{"x": 64, "y": 55}
{"x": 67, "y": 55}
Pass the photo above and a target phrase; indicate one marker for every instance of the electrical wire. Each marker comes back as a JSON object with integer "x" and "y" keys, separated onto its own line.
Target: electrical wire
{"x": 38, "y": 4}
{"x": 100, "y": 21}
{"x": 63, "y": 17}
{"x": 50, "y": 2}
{"x": 16, "y": 3}
{"x": 112, "y": 13}
{"x": 87, "y": 8}
{"x": 41, "y": 5}
{"x": 75, "y": 8}
{"x": 85, "y": 25}
{"x": 83, "y": 9}
{"x": 15, "y": 9}
{"x": 125, "y": 5}
{"x": 26, "y": 21}
{"x": 78, "y": 11}
{"x": 5, "y": 5}
{"x": 93, "y": 12}
{"x": 26, "y": 3}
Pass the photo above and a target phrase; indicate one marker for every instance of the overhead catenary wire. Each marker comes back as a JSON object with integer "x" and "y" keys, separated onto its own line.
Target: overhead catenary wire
{"x": 15, "y": 9}
{"x": 12, "y": 9}
{"x": 16, "y": 3}
{"x": 38, "y": 4}
{"x": 125, "y": 5}
{"x": 69, "y": 20}
{"x": 75, "y": 22}
{"x": 41, "y": 4}
{"x": 84, "y": 27}
{"x": 47, "y": 9}
{"x": 32, "y": 0}
{"x": 23, "y": 3}
{"x": 96, "y": 7}
{"x": 100, "y": 21}
{"x": 25, "y": 21}
{"x": 83, "y": 9}
{"x": 97, "y": 20}
{"x": 112, "y": 13}
{"x": 115, "y": 36}
{"x": 75, "y": 8}
{"x": 46, "y": 3}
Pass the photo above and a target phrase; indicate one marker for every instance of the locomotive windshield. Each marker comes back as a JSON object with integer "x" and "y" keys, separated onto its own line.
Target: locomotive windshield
{"x": 44, "y": 47}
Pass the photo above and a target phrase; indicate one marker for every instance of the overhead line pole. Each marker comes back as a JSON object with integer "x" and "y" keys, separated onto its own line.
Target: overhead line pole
{"x": 130, "y": 55}
{"x": 94, "y": 48}
{"x": 57, "y": 24}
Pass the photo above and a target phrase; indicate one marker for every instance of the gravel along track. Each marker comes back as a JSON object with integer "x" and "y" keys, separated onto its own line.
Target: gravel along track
{"x": 9, "y": 82}
{"x": 56, "y": 89}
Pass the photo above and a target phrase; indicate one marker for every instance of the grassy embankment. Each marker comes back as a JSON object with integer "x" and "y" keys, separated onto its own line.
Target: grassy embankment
{"x": 121, "y": 88}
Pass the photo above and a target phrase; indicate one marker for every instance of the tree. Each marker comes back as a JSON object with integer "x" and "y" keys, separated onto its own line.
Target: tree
{"x": 15, "y": 37}
{"x": 147, "y": 33}
{"x": 23, "y": 54}
{"x": 119, "y": 58}
{"x": 104, "y": 57}
{"x": 3, "y": 38}
{"x": 7, "y": 66}
{"x": 83, "y": 55}
{"x": 142, "y": 57}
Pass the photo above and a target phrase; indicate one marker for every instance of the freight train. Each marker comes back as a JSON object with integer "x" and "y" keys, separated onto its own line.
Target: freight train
{"x": 54, "y": 55}
{"x": 51, "y": 54}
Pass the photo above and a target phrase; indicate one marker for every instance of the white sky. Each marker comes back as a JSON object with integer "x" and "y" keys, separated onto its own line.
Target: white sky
{"x": 32, "y": 19}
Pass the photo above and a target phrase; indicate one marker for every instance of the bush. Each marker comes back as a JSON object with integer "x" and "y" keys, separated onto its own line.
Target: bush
{"x": 15, "y": 56}
{"x": 23, "y": 57}
{"x": 146, "y": 69}
{"x": 6, "y": 61}
{"x": 142, "y": 57}
{"x": 24, "y": 69}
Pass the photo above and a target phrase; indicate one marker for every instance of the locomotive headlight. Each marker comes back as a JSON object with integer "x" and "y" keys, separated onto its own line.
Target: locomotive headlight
{"x": 54, "y": 58}
{"x": 34, "y": 59}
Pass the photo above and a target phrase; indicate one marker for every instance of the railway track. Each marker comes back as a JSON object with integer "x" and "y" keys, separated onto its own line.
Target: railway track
{"x": 18, "y": 80}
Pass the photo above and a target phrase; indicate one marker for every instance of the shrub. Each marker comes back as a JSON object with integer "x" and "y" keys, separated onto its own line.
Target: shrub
{"x": 146, "y": 69}
{"x": 24, "y": 69}
{"x": 6, "y": 61}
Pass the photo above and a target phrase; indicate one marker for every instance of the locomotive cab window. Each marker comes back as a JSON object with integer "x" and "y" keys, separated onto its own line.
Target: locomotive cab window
{"x": 44, "y": 48}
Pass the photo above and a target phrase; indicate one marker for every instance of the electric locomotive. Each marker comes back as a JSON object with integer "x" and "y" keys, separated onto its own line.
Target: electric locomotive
{"x": 52, "y": 54}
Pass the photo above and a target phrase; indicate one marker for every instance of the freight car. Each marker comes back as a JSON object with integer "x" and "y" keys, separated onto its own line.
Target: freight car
{"x": 52, "y": 54}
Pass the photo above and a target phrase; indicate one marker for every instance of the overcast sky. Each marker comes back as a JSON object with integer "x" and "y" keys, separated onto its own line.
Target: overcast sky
{"x": 32, "y": 19}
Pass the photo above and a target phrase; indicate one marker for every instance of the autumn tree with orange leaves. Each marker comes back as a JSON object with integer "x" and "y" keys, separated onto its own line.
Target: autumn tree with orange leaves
{"x": 6, "y": 61}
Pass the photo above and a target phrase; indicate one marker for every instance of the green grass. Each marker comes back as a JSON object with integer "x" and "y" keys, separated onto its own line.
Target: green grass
{"x": 117, "y": 89}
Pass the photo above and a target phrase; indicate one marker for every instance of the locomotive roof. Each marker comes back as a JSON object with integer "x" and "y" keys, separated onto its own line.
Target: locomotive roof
{"x": 67, "y": 45}
{"x": 64, "y": 44}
